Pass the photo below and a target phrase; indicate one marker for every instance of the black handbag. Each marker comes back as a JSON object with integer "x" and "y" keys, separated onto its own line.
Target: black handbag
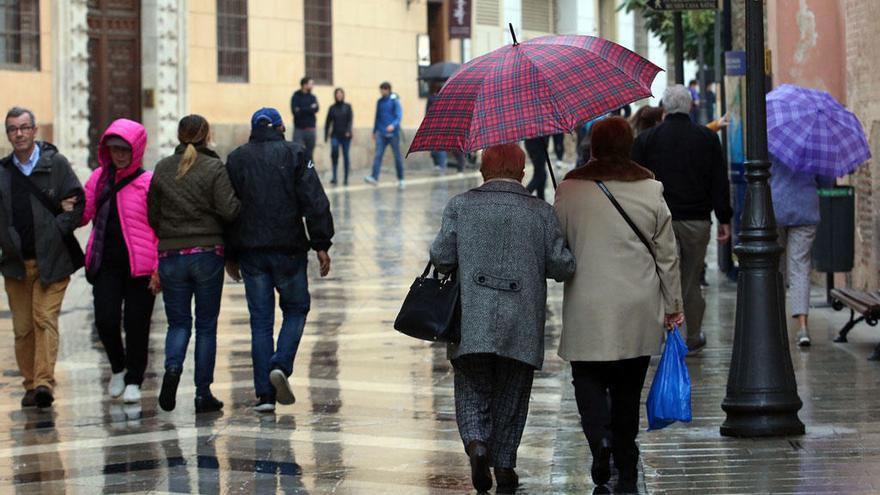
{"x": 432, "y": 308}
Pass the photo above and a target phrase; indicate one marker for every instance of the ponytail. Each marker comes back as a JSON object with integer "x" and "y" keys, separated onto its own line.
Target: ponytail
{"x": 192, "y": 132}
{"x": 189, "y": 158}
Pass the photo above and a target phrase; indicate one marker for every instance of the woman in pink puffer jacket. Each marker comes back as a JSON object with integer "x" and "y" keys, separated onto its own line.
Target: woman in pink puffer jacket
{"x": 121, "y": 257}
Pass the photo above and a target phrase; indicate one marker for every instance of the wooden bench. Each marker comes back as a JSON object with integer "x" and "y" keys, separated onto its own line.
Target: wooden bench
{"x": 865, "y": 304}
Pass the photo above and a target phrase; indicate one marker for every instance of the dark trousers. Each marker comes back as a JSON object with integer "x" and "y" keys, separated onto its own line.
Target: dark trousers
{"x": 559, "y": 145}
{"x": 307, "y": 139}
{"x": 335, "y": 144}
{"x": 608, "y": 395}
{"x": 186, "y": 277}
{"x": 537, "y": 150}
{"x": 264, "y": 272}
{"x": 492, "y": 403}
{"x": 124, "y": 302}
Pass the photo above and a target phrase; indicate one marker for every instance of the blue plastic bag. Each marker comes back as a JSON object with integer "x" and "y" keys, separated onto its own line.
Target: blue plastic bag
{"x": 670, "y": 397}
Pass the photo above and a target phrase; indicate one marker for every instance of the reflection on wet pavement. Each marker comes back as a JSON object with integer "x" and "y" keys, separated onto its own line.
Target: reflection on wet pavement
{"x": 374, "y": 411}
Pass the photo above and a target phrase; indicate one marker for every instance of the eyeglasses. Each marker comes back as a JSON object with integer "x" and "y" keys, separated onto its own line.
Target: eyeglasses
{"x": 23, "y": 128}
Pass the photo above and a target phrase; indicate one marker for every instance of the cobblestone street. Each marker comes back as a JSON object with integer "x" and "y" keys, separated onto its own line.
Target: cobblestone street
{"x": 374, "y": 410}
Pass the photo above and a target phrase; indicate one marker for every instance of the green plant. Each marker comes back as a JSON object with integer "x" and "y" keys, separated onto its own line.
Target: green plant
{"x": 697, "y": 24}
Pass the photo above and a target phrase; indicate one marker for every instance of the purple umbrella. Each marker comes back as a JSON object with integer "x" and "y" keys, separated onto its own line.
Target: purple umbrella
{"x": 809, "y": 131}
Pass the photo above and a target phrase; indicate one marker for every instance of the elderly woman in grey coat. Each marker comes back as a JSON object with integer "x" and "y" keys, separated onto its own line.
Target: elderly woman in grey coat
{"x": 504, "y": 244}
{"x": 624, "y": 292}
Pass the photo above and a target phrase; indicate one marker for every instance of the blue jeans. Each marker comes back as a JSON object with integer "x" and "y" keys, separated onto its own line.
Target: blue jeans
{"x": 183, "y": 277}
{"x": 383, "y": 140}
{"x": 440, "y": 159}
{"x": 264, "y": 272}
{"x": 335, "y": 144}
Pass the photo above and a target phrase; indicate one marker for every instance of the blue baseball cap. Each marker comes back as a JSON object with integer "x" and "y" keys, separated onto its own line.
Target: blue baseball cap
{"x": 268, "y": 115}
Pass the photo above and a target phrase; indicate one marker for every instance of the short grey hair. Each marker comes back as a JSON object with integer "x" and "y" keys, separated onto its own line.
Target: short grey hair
{"x": 16, "y": 112}
{"x": 677, "y": 99}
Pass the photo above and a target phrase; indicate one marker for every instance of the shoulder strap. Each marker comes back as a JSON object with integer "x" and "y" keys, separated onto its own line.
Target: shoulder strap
{"x": 117, "y": 187}
{"x": 626, "y": 217}
{"x": 45, "y": 200}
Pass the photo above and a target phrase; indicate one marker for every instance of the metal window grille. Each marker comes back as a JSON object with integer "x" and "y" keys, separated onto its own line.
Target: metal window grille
{"x": 537, "y": 15}
{"x": 319, "y": 41}
{"x": 232, "y": 40}
{"x": 488, "y": 12}
{"x": 20, "y": 34}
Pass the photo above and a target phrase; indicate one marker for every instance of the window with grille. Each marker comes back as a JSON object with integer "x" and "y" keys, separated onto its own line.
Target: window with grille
{"x": 232, "y": 40}
{"x": 537, "y": 15}
{"x": 319, "y": 41}
{"x": 487, "y": 12}
{"x": 20, "y": 34}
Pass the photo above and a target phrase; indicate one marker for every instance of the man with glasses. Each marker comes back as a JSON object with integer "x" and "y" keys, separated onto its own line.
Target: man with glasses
{"x": 41, "y": 203}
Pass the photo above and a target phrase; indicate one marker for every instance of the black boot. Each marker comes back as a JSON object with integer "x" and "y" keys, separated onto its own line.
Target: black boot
{"x": 626, "y": 485}
{"x": 601, "y": 469}
{"x": 168, "y": 394}
{"x": 506, "y": 479}
{"x": 207, "y": 403}
{"x": 480, "y": 475}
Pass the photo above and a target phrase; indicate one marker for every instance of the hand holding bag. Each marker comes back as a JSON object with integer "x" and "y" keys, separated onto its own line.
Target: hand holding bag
{"x": 670, "y": 397}
{"x": 432, "y": 308}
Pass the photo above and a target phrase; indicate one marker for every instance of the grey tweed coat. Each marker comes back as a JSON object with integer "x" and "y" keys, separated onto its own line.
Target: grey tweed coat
{"x": 505, "y": 244}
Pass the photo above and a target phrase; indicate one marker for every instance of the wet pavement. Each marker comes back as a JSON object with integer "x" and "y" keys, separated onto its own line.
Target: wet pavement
{"x": 374, "y": 411}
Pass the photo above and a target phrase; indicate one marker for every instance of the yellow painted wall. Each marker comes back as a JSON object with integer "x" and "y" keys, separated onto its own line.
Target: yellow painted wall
{"x": 373, "y": 41}
{"x": 29, "y": 88}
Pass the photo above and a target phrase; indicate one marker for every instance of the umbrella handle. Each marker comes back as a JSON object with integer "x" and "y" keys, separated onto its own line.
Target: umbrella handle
{"x": 550, "y": 167}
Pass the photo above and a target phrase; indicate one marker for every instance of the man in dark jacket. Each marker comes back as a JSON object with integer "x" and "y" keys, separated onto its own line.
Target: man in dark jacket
{"x": 41, "y": 203}
{"x": 304, "y": 106}
{"x": 278, "y": 187}
{"x": 687, "y": 158}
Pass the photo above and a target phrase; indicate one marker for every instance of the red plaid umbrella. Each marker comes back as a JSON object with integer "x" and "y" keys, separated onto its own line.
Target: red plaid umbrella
{"x": 541, "y": 87}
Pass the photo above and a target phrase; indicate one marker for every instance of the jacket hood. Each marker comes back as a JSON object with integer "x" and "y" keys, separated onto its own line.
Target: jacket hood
{"x": 134, "y": 134}
{"x": 606, "y": 170}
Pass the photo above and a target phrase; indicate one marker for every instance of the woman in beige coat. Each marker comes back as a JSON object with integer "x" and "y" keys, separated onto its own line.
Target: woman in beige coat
{"x": 621, "y": 296}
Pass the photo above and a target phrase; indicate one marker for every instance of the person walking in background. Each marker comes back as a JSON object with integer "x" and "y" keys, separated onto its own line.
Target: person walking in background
{"x": 338, "y": 128}
{"x": 646, "y": 118}
{"x": 39, "y": 252}
{"x": 537, "y": 150}
{"x": 694, "y": 90}
{"x": 386, "y": 132}
{"x": 504, "y": 244}
{"x": 121, "y": 257}
{"x": 796, "y": 206}
{"x": 687, "y": 158}
{"x": 304, "y": 106}
{"x": 611, "y": 329}
{"x": 269, "y": 247}
{"x": 189, "y": 202}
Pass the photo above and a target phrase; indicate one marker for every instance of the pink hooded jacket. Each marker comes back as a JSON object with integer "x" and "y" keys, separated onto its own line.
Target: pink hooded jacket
{"x": 131, "y": 200}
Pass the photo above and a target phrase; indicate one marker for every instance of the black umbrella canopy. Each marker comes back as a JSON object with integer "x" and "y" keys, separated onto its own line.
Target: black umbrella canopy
{"x": 439, "y": 72}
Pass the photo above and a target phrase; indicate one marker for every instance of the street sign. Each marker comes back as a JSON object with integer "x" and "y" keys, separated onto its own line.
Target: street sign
{"x": 735, "y": 63}
{"x": 683, "y": 4}
{"x": 460, "y": 19}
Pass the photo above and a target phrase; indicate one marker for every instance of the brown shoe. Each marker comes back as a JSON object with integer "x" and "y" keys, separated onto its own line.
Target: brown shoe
{"x": 480, "y": 475}
{"x": 506, "y": 479}
{"x": 29, "y": 399}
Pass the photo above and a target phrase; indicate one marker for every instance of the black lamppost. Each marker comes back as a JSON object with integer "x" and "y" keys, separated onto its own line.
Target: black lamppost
{"x": 762, "y": 397}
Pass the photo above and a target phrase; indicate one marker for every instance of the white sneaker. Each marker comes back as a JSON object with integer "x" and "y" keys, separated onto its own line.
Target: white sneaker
{"x": 804, "y": 338}
{"x": 116, "y": 385}
{"x": 401, "y": 185}
{"x": 132, "y": 394}
{"x": 283, "y": 392}
{"x": 369, "y": 179}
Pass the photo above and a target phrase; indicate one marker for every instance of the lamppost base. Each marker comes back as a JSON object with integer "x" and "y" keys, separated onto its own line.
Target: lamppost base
{"x": 749, "y": 421}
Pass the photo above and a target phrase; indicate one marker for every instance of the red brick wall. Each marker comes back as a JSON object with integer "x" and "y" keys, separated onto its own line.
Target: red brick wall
{"x": 863, "y": 97}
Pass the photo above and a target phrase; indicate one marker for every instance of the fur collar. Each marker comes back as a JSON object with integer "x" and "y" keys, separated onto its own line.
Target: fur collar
{"x": 604, "y": 170}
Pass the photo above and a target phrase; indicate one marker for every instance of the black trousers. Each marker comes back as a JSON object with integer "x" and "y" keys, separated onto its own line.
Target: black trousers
{"x": 559, "y": 145}
{"x": 608, "y": 395}
{"x": 116, "y": 291}
{"x": 537, "y": 150}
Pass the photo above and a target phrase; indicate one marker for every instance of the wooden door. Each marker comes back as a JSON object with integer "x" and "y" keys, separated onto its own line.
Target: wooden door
{"x": 114, "y": 66}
